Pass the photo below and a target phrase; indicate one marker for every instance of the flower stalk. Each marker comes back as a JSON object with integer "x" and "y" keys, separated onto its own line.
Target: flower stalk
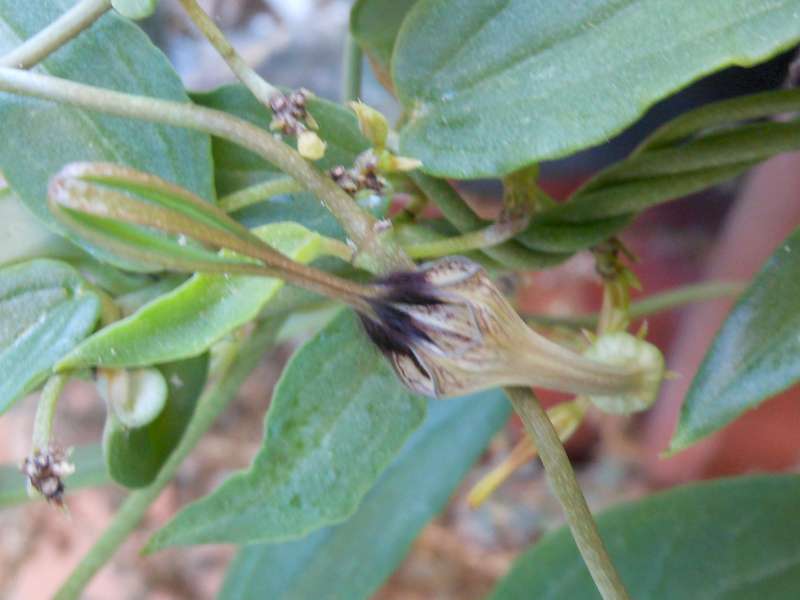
{"x": 565, "y": 487}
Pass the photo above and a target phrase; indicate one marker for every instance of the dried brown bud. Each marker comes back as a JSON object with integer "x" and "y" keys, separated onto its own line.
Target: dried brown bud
{"x": 290, "y": 113}
{"x": 46, "y": 470}
{"x": 448, "y": 331}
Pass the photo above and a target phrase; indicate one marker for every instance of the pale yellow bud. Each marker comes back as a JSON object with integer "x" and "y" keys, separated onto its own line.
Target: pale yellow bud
{"x": 310, "y": 145}
{"x": 372, "y": 124}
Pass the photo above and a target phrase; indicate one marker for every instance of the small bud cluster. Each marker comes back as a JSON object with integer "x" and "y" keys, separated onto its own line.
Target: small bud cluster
{"x": 46, "y": 471}
{"x": 363, "y": 176}
{"x": 290, "y": 111}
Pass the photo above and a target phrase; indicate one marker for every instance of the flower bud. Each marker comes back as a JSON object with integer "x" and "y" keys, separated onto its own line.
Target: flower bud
{"x": 622, "y": 348}
{"x": 135, "y": 397}
{"x": 448, "y": 331}
{"x": 372, "y": 124}
{"x": 310, "y": 145}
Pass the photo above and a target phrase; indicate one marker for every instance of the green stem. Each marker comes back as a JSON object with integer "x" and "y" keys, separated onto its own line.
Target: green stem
{"x": 262, "y": 90}
{"x": 511, "y": 254}
{"x": 211, "y": 403}
{"x": 487, "y": 237}
{"x": 352, "y": 66}
{"x": 565, "y": 486}
{"x": 376, "y": 251}
{"x": 46, "y": 410}
{"x": 258, "y": 192}
{"x": 659, "y": 302}
{"x": 55, "y": 35}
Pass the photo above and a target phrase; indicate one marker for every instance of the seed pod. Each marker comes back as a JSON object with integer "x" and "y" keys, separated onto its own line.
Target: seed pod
{"x": 448, "y": 331}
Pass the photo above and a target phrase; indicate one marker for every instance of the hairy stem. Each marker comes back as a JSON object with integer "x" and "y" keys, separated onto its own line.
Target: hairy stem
{"x": 375, "y": 251}
{"x": 46, "y": 411}
{"x": 565, "y": 486}
{"x": 262, "y": 90}
{"x": 55, "y": 35}
{"x": 352, "y": 66}
{"x": 211, "y": 403}
{"x": 258, "y": 192}
{"x": 699, "y": 292}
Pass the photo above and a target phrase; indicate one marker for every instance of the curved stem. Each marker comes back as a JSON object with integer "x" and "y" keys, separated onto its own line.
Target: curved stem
{"x": 375, "y": 252}
{"x": 55, "y": 35}
{"x": 254, "y": 82}
{"x": 258, "y": 192}
{"x": 210, "y": 404}
{"x": 352, "y": 67}
{"x": 566, "y": 488}
{"x": 46, "y": 410}
{"x": 699, "y": 292}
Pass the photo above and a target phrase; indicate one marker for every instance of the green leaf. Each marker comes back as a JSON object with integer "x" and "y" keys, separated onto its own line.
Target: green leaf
{"x": 754, "y": 355}
{"x": 375, "y": 24}
{"x": 23, "y": 237}
{"x": 494, "y": 86}
{"x": 237, "y": 168}
{"x": 134, "y": 456}
{"x": 45, "y": 310}
{"x": 90, "y": 471}
{"x": 700, "y": 148}
{"x": 338, "y": 417}
{"x": 186, "y": 321}
{"x": 40, "y": 137}
{"x": 732, "y": 539}
{"x": 412, "y": 490}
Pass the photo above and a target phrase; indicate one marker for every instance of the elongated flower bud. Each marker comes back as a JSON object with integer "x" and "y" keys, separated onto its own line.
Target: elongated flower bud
{"x": 448, "y": 331}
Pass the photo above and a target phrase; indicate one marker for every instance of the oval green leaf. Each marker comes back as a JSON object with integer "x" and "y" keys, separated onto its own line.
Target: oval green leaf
{"x": 338, "y": 416}
{"x": 493, "y": 86}
{"x": 134, "y": 456}
{"x": 41, "y": 137}
{"x": 732, "y": 539}
{"x": 45, "y": 311}
{"x": 755, "y": 354}
{"x": 412, "y": 490}
{"x": 186, "y": 321}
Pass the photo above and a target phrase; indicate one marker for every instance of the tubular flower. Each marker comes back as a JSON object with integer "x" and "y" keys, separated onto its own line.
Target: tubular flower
{"x": 448, "y": 331}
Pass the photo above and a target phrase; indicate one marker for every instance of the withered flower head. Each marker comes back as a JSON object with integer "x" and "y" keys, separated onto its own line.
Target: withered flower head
{"x": 45, "y": 470}
{"x": 448, "y": 331}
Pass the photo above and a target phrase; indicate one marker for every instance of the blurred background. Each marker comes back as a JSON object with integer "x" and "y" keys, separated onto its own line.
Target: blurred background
{"x": 722, "y": 233}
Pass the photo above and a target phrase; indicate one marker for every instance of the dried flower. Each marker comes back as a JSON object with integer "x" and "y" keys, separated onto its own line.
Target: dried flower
{"x": 46, "y": 470}
{"x": 448, "y": 331}
{"x": 290, "y": 113}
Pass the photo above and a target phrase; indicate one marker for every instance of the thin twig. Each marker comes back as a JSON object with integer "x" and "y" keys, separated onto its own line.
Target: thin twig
{"x": 565, "y": 486}
{"x": 260, "y": 88}
{"x": 375, "y": 251}
{"x": 59, "y": 32}
{"x": 699, "y": 292}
